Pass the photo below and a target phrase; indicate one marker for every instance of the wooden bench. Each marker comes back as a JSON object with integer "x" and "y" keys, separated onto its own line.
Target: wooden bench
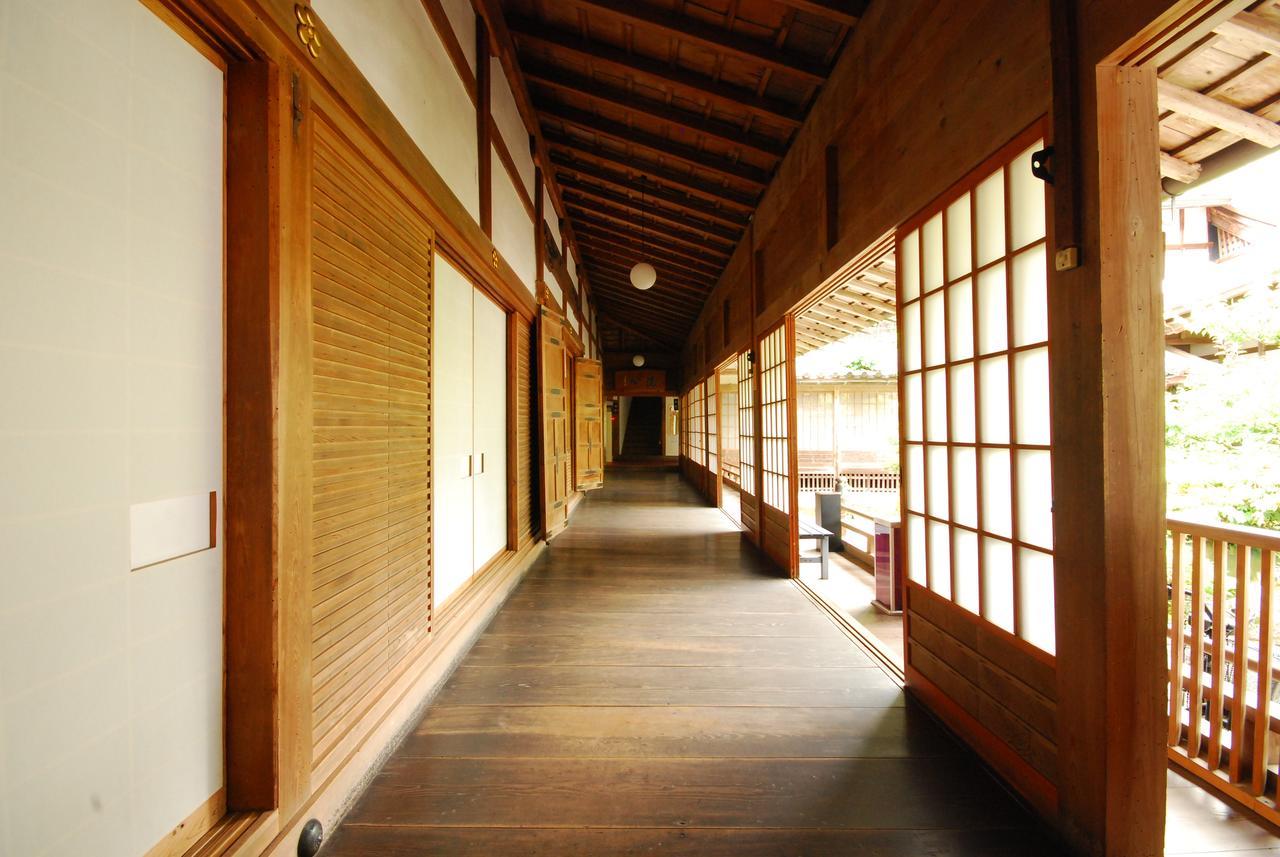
{"x": 823, "y": 537}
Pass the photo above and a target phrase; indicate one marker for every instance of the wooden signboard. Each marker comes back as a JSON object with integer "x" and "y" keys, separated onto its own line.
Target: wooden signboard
{"x": 640, "y": 382}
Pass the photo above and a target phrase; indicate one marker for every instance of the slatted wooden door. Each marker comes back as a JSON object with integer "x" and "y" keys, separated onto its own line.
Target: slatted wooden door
{"x": 557, "y": 455}
{"x": 371, "y": 502}
{"x": 588, "y": 391}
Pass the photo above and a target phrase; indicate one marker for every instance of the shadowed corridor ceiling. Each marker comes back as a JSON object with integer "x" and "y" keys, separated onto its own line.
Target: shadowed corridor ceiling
{"x": 665, "y": 121}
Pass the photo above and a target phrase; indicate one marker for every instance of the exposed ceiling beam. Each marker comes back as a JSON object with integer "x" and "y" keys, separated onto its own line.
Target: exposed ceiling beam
{"x": 841, "y": 11}
{"x": 608, "y": 319}
{"x": 730, "y": 196}
{"x": 571, "y": 173}
{"x": 711, "y": 37}
{"x": 600, "y": 213}
{"x": 664, "y": 75}
{"x": 1177, "y": 169}
{"x": 727, "y": 132}
{"x": 1251, "y": 29}
{"x": 703, "y": 278}
{"x": 647, "y": 306}
{"x": 1220, "y": 114}
{"x": 654, "y": 143}
{"x": 656, "y": 212}
{"x": 609, "y": 235}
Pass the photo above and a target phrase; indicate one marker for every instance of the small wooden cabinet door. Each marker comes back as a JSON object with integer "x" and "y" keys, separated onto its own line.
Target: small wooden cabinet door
{"x": 588, "y": 380}
{"x": 553, "y": 399}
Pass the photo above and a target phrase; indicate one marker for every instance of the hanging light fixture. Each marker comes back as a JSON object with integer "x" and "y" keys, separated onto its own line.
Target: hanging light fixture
{"x": 637, "y": 361}
{"x": 643, "y": 275}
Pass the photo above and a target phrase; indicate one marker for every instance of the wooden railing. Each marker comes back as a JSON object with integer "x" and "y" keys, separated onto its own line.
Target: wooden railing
{"x": 878, "y": 481}
{"x": 731, "y": 472}
{"x": 858, "y": 531}
{"x": 1224, "y": 669}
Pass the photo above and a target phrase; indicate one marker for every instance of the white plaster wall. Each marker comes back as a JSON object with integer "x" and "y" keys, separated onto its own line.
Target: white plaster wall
{"x": 506, "y": 116}
{"x": 512, "y": 227}
{"x": 111, "y": 374}
{"x": 553, "y": 219}
{"x": 395, "y": 46}
{"x": 462, "y": 20}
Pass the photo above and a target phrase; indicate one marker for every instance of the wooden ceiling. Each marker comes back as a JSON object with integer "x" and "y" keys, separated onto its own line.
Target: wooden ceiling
{"x": 1223, "y": 91}
{"x": 665, "y": 120}
{"x": 866, "y": 298}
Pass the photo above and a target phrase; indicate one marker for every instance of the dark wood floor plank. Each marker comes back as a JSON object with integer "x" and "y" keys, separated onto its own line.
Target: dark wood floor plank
{"x": 684, "y": 842}
{"x": 725, "y": 651}
{"x": 674, "y": 731}
{"x": 655, "y": 687}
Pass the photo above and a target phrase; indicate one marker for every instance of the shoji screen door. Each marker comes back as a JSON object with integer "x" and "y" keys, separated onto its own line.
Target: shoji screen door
{"x": 747, "y": 444}
{"x": 713, "y": 434}
{"x": 776, "y": 367}
{"x": 973, "y": 336}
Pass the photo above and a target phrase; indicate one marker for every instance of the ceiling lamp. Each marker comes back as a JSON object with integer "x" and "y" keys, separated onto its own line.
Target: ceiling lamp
{"x": 638, "y": 360}
{"x": 643, "y": 275}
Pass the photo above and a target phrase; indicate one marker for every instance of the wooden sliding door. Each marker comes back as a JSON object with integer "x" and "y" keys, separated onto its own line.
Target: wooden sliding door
{"x": 777, "y": 492}
{"x": 588, "y": 392}
{"x": 747, "y": 446}
{"x": 976, "y": 454}
{"x": 371, "y": 297}
{"x": 557, "y": 455}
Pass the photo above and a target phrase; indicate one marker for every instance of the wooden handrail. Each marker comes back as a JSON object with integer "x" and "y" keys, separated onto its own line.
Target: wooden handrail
{"x": 1236, "y": 534}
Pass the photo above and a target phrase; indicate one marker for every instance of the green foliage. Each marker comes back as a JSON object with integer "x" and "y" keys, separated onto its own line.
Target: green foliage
{"x": 862, "y": 364}
{"x": 1222, "y": 427}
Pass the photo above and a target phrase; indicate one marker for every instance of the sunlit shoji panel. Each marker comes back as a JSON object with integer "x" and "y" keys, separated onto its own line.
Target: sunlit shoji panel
{"x": 685, "y": 449}
{"x": 713, "y": 425}
{"x": 698, "y": 424}
{"x": 746, "y": 425}
{"x": 973, "y": 329}
{"x": 773, "y": 419}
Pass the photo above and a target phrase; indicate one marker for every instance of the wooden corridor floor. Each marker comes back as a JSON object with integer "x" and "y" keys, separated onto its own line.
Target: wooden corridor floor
{"x": 653, "y": 688}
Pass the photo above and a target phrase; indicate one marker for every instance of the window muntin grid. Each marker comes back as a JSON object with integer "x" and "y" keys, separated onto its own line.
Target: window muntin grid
{"x": 698, "y": 424}
{"x": 713, "y": 427}
{"x": 746, "y": 426}
{"x": 977, "y": 455}
{"x": 773, "y": 419}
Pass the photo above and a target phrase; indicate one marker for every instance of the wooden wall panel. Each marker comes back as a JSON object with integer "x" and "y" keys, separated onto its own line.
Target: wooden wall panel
{"x": 555, "y": 436}
{"x": 371, "y": 503}
{"x": 526, "y": 407}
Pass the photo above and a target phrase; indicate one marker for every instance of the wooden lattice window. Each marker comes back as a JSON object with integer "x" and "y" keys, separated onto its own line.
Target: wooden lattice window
{"x": 746, "y": 426}
{"x": 773, "y": 419}
{"x": 974, "y": 340}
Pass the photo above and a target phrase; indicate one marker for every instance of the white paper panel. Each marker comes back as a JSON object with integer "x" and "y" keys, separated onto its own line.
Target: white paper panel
{"x": 965, "y": 560}
{"x": 964, "y": 488}
{"x": 960, "y": 319}
{"x": 959, "y": 237}
{"x": 1032, "y": 380}
{"x": 939, "y": 505}
{"x": 931, "y": 253}
{"x": 909, "y": 265}
{"x": 167, "y": 529}
{"x": 990, "y": 203}
{"x": 1026, "y": 200}
{"x": 910, "y": 332}
{"x": 913, "y": 407}
{"x": 915, "y": 478}
{"x": 996, "y": 494}
{"x": 940, "y": 558}
{"x": 1035, "y": 599}
{"x": 997, "y": 582}
{"x": 1030, "y": 300}
{"x": 993, "y": 323}
{"x": 962, "y": 403}
{"x": 916, "y": 549}
{"x": 1035, "y": 497}
{"x": 993, "y": 404}
{"x": 936, "y": 390}
{"x": 935, "y": 330}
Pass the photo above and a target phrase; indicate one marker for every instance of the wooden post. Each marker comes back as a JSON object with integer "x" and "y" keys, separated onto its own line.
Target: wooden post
{"x": 484, "y": 138}
{"x": 1107, "y": 385}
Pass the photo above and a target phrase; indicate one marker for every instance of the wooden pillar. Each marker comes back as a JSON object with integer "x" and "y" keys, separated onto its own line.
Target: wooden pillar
{"x": 1107, "y": 387}
{"x": 539, "y": 231}
{"x": 484, "y": 138}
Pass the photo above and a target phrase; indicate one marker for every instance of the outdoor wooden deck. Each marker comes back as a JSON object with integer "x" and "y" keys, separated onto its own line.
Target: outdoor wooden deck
{"x": 653, "y": 687}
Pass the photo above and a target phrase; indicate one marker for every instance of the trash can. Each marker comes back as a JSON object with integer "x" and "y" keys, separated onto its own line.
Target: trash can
{"x": 826, "y": 513}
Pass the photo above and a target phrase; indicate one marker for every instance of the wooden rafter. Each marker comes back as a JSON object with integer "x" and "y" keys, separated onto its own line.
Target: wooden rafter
{"x": 609, "y": 236}
{"x": 697, "y": 292}
{"x": 598, "y": 213}
{"x": 1177, "y": 169}
{"x": 667, "y": 176}
{"x": 572, "y": 173}
{"x": 635, "y": 331}
{"x": 565, "y": 81}
{"x": 699, "y": 279}
{"x": 662, "y": 74}
{"x": 650, "y": 209}
{"x": 845, "y": 13}
{"x": 1251, "y": 29}
{"x": 654, "y": 143}
{"x": 710, "y": 37}
{"x": 1218, "y": 113}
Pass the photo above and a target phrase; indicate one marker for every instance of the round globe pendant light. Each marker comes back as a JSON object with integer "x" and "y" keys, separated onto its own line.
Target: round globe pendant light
{"x": 637, "y": 361}
{"x": 643, "y": 276}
